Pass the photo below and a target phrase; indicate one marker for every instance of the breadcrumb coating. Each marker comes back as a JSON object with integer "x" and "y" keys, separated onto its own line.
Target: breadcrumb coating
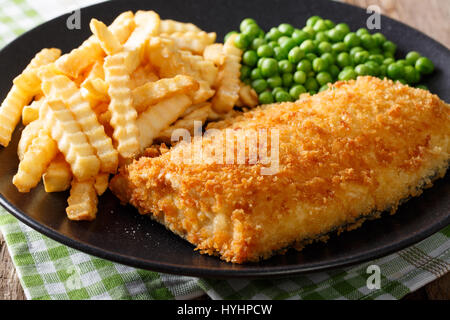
{"x": 358, "y": 148}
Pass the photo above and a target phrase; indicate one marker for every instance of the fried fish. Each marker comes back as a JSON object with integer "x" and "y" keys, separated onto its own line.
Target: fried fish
{"x": 359, "y": 148}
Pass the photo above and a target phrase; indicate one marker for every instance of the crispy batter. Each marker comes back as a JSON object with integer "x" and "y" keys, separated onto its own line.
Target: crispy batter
{"x": 344, "y": 153}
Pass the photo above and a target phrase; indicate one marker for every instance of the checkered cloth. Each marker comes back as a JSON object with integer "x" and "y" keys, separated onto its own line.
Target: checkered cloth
{"x": 49, "y": 270}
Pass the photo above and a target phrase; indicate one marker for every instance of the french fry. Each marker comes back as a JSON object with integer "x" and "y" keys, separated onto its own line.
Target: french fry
{"x": 248, "y": 96}
{"x": 94, "y": 88}
{"x": 79, "y": 59}
{"x": 30, "y": 132}
{"x": 35, "y": 161}
{"x": 101, "y": 183}
{"x": 83, "y": 200}
{"x": 143, "y": 75}
{"x": 228, "y": 79}
{"x": 58, "y": 176}
{"x": 159, "y": 117}
{"x": 25, "y": 87}
{"x": 214, "y": 52}
{"x": 61, "y": 87}
{"x": 193, "y": 41}
{"x": 123, "y": 115}
{"x": 147, "y": 25}
{"x": 154, "y": 92}
{"x": 71, "y": 140}
{"x": 108, "y": 41}
{"x": 31, "y": 112}
{"x": 170, "y": 26}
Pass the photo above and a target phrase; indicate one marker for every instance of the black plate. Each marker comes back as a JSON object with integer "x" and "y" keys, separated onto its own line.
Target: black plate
{"x": 121, "y": 235}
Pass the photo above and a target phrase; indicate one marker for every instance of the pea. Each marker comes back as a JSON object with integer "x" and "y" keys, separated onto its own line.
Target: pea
{"x": 283, "y": 96}
{"x": 334, "y": 71}
{"x": 308, "y": 46}
{"x": 368, "y": 42}
{"x": 324, "y": 47}
{"x": 259, "y": 63}
{"x": 274, "y": 34}
{"x": 319, "y": 65}
{"x": 355, "y": 50}
{"x": 286, "y": 29}
{"x": 229, "y": 34}
{"x": 323, "y": 78}
{"x": 347, "y": 74}
{"x": 304, "y": 65}
{"x": 311, "y": 85}
{"x": 321, "y": 36}
{"x": 288, "y": 44}
{"x": 312, "y": 20}
{"x": 329, "y": 57}
{"x": 324, "y": 88}
{"x": 374, "y": 68}
{"x": 269, "y": 67}
{"x": 246, "y": 22}
{"x": 285, "y": 66}
{"x": 362, "y": 31}
{"x": 280, "y": 53}
{"x": 242, "y": 41}
{"x": 402, "y": 62}
{"x": 412, "y": 57}
{"x": 299, "y": 36}
{"x": 265, "y": 51}
{"x": 379, "y": 39}
{"x": 388, "y": 61}
{"x": 362, "y": 70}
{"x": 256, "y": 74}
{"x": 300, "y": 77}
{"x": 283, "y": 39}
{"x": 330, "y": 24}
{"x": 390, "y": 47}
{"x": 295, "y": 55}
{"x": 310, "y": 31}
{"x": 336, "y": 35}
{"x": 259, "y": 85}
{"x": 251, "y": 31}
{"x": 360, "y": 57}
{"x": 265, "y": 97}
{"x": 276, "y": 90}
{"x": 378, "y": 58}
{"x": 382, "y": 71}
{"x": 320, "y": 25}
{"x": 273, "y": 44}
{"x": 275, "y": 82}
{"x": 245, "y": 72}
{"x": 344, "y": 59}
{"x": 311, "y": 56}
{"x": 352, "y": 40}
{"x": 423, "y": 87}
{"x": 410, "y": 74}
{"x": 256, "y": 43}
{"x": 424, "y": 65}
{"x": 250, "y": 58}
{"x": 288, "y": 78}
{"x": 339, "y": 47}
{"x": 343, "y": 27}
{"x": 395, "y": 71}
{"x": 296, "y": 91}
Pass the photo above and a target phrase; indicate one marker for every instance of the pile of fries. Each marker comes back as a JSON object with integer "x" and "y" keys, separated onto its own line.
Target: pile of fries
{"x": 101, "y": 105}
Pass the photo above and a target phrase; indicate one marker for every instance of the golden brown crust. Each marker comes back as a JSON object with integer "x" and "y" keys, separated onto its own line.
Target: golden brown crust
{"x": 344, "y": 153}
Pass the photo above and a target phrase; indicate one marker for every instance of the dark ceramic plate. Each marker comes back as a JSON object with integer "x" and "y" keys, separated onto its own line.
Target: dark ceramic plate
{"x": 121, "y": 235}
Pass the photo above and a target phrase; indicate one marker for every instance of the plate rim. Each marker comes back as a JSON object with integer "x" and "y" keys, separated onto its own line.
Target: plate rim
{"x": 217, "y": 273}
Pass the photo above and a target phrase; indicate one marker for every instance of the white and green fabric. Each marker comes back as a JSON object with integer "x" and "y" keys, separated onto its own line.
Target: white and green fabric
{"x": 49, "y": 270}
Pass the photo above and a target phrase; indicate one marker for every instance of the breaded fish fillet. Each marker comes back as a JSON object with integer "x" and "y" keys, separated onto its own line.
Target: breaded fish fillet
{"x": 344, "y": 154}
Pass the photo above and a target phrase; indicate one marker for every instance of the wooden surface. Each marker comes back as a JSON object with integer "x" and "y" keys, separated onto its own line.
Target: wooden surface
{"x": 430, "y": 17}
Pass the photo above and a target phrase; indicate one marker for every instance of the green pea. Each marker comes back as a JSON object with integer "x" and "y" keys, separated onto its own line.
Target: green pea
{"x": 273, "y": 44}
{"x": 334, "y": 71}
{"x": 362, "y": 70}
{"x": 275, "y": 82}
{"x": 352, "y": 40}
{"x": 321, "y": 36}
{"x": 344, "y": 59}
{"x": 320, "y": 25}
{"x": 311, "y": 56}
{"x": 336, "y": 35}
{"x": 256, "y": 43}
{"x": 378, "y": 58}
{"x": 296, "y": 91}
{"x": 382, "y": 71}
{"x": 323, "y": 88}
{"x": 374, "y": 68}
{"x": 402, "y": 62}
{"x": 324, "y": 47}
{"x": 265, "y": 97}
{"x": 320, "y": 65}
{"x": 354, "y": 50}
{"x": 286, "y": 29}
{"x": 412, "y": 57}
{"x": 339, "y": 47}
{"x": 389, "y": 55}
{"x": 424, "y": 65}
{"x": 388, "y": 61}
{"x": 283, "y": 39}
{"x": 300, "y": 77}
{"x": 308, "y": 46}
{"x": 395, "y": 71}
{"x": 288, "y": 45}
{"x": 283, "y": 96}
{"x": 379, "y": 39}
{"x": 280, "y": 53}
{"x": 250, "y": 58}
{"x": 259, "y": 63}
{"x": 259, "y": 85}
{"x": 265, "y": 51}
{"x": 285, "y": 66}
{"x": 277, "y": 89}
{"x": 347, "y": 74}
{"x": 310, "y": 31}
{"x": 242, "y": 41}
{"x": 305, "y": 65}
{"x": 330, "y": 24}
{"x": 362, "y": 31}
{"x": 390, "y": 47}
{"x": 423, "y": 87}
{"x": 229, "y": 34}
{"x": 252, "y": 31}
{"x": 299, "y": 36}
{"x": 312, "y": 20}
{"x": 410, "y": 75}
{"x": 245, "y": 72}
{"x": 274, "y": 34}
{"x": 323, "y": 78}
{"x": 311, "y": 85}
{"x": 288, "y": 78}
{"x": 343, "y": 27}
{"x": 329, "y": 57}
{"x": 361, "y": 57}
{"x": 269, "y": 67}
{"x": 295, "y": 55}
{"x": 246, "y": 22}
{"x": 368, "y": 42}
{"x": 256, "y": 74}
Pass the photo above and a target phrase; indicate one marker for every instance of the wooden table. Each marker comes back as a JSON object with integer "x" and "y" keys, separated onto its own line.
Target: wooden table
{"x": 431, "y": 17}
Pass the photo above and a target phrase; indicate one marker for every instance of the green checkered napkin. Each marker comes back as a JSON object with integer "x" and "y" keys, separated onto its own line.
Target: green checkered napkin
{"x": 49, "y": 270}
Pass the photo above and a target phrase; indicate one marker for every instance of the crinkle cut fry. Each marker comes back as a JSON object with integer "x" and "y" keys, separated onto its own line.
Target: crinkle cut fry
{"x": 195, "y": 42}
{"x": 71, "y": 139}
{"x": 61, "y": 87}
{"x": 171, "y": 26}
{"x": 58, "y": 176}
{"x": 83, "y": 200}
{"x": 25, "y": 87}
{"x": 29, "y": 133}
